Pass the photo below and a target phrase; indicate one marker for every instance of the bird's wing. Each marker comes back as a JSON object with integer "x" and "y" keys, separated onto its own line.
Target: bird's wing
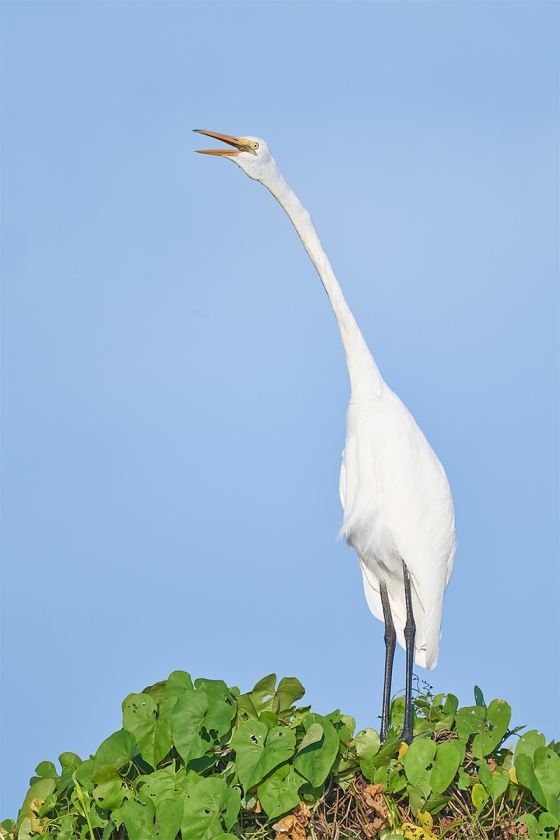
{"x": 398, "y": 507}
{"x": 418, "y": 510}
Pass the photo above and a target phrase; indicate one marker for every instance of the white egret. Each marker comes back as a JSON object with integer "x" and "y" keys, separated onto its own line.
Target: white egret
{"x": 398, "y": 510}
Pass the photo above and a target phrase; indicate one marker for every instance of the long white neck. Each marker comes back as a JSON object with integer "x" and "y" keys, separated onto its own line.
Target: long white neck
{"x": 363, "y": 372}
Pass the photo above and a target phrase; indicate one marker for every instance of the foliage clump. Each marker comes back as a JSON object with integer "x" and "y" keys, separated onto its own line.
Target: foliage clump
{"x": 199, "y": 760}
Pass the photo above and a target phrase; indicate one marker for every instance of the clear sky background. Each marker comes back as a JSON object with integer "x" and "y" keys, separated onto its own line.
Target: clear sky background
{"x": 174, "y": 383}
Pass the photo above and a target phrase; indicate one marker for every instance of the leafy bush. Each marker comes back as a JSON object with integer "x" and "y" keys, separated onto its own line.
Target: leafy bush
{"x": 200, "y": 760}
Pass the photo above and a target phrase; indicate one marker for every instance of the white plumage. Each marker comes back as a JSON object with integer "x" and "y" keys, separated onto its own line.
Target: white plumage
{"x": 394, "y": 491}
{"x": 397, "y": 506}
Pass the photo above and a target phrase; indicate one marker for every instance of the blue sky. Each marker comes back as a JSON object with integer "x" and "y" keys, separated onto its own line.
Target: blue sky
{"x": 174, "y": 384}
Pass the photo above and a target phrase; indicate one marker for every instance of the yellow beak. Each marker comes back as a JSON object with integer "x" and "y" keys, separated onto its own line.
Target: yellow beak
{"x": 241, "y": 144}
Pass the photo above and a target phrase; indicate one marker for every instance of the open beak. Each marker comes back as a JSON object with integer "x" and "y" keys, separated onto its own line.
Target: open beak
{"x": 240, "y": 144}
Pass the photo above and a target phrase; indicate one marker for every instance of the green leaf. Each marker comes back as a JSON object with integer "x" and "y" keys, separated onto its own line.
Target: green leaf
{"x": 312, "y": 736}
{"x": 546, "y": 764}
{"x": 524, "y": 770}
{"x": 496, "y": 726}
{"x": 418, "y": 795}
{"x": 449, "y": 756}
{"x": 163, "y": 740}
{"x": 150, "y": 725}
{"x": 67, "y": 823}
{"x": 531, "y": 822}
{"x": 117, "y": 750}
{"x": 435, "y": 802}
{"x": 418, "y": 757}
{"x": 392, "y": 776}
{"x": 345, "y": 726}
{"x": 464, "y": 781}
{"x": 162, "y": 784}
{"x": 169, "y": 816}
{"x": 367, "y": 744}
{"x": 545, "y": 827}
{"x": 279, "y": 792}
{"x": 469, "y": 719}
{"x": 529, "y": 742}
{"x": 390, "y": 747}
{"x": 265, "y": 688}
{"x": 24, "y": 829}
{"x": 38, "y": 790}
{"x": 479, "y": 796}
{"x": 69, "y": 761}
{"x": 215, "y": 689}
{"x": 495, "y": 782}
{"x": 259, "y": 750}
{"x": 445, "y": 724}
{"x": 84, "y": 772}
{"x": 451, "y": 705}
{"x": 97, "y": 816}
{"x": 500, "y": 782}
{"x": 198, "y": 721}
{"x": 541, "y": 775}
{"x": 526, "y": 777}
{"x": 261, "y": 698}
{"x": 553, "y": 805}
{"x": 248, "y": 741}
{"x": 156, "y": 691}
{"x": 289, "y": 690}
{"x": 548, "y": 824}
{"x": 187, "y": 721}
{"x": 177, "y": 682}
{"x": 245, "y": 709}
{"x": 209, "y": 805}
{"x": 46, "y": 770}
{"x": 485, "y": 776}
{"x": 479, "y": 697}
{"x": 265, "y": 697}
{"x": 269, "y": 719}
{"x": 48, "y": 805}
{"x": 140, "y": 718}
{"x": 138, "y": 818}
{"x": 109, "y": 791}
{"x": 318, "y": 750}
{"x": 297, "y": 716}
{"x": 397, "y": 714}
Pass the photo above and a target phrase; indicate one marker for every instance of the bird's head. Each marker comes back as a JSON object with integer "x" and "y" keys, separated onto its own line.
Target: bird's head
{"x": 251, "y": 154}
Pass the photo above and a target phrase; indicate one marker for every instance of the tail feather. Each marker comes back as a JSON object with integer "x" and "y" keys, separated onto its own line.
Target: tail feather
{"x": 428, "y": 632}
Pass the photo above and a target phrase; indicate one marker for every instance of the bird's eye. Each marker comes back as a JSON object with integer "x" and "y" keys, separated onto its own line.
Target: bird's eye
{"x": 255, "y": 146}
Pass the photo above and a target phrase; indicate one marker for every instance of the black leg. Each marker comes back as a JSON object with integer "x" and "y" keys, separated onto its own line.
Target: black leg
{"x": 390, "y": 639}
{"x": 409, "y": 636}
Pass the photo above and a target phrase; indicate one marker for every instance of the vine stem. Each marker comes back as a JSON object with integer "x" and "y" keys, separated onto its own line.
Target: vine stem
{"x": 83, "y": 803}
